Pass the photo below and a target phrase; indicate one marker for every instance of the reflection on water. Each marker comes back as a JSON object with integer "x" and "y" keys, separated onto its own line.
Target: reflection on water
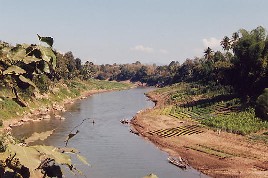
{"x": 110, "y": 148}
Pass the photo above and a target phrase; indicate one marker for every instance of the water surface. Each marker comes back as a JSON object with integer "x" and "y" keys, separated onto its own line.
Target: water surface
{"x": 111, "y": 149}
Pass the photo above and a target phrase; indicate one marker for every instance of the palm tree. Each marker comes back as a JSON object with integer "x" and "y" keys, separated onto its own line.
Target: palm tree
{"x": 235, "y": 36}
{"x": 226, "y": 43}
{"x": 208, "y": 53}
{"x": 234, "y": 40}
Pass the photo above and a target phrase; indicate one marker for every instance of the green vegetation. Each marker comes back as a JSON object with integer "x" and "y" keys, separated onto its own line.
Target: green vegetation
{"x": 242, "y": 69}
{"x": 223, "y": 90}
{"x": 243, "y": 122}
{"x": 44, "y": 160}
{"x": 211, "y": 107}
{"x": 262, "y": 105}
{"x": 32, "y": 76}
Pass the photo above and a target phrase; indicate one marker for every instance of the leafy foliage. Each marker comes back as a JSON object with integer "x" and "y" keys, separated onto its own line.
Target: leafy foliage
{"x": 48, "y": 40}
{"x": 44, "y": 160}
{"x": 19, "y": 64}
{"x": 250, "y": 62}
{"x": 262, "y": 105}
{"x": 243, "y": 122}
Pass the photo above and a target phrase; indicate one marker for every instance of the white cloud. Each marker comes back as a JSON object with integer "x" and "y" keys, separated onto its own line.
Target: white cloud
{"x": 163, "y": 51}
{"x": 142, "y": 48}
{"x": 211, "y": 42}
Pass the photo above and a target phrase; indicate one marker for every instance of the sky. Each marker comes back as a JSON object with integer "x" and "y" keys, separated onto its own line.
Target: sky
{"x": 126, "y": 31}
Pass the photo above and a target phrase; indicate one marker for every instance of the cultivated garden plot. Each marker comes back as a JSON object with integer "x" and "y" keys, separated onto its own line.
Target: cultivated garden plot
{"x": 222, "y": 114}
{"x": 178, "y": 131}
{"x": 211, "y": 151}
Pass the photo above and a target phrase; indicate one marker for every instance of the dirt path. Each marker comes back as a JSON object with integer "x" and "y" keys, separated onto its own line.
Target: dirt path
{"x": 217, "y": 154}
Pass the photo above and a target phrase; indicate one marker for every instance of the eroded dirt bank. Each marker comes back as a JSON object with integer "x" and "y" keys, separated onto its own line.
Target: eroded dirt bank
{"x": 215, "y": 153}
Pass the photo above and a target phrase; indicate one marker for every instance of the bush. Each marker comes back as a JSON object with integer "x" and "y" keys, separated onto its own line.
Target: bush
{"x": 42, "y": 82}
{"x": 262, "y": 105}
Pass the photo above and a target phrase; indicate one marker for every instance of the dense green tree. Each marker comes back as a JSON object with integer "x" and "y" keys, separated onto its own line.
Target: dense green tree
{"x": 218, "y": 56}
{"x": 185, "y": 72}
{"x": 78, "y": 64}
{"x": 173, "y": 67}
{"x": 71, "y": 65}
{"x": 125, "y": 74}
{"x": 262, "y": 105}
{"x": 250, "y": 62}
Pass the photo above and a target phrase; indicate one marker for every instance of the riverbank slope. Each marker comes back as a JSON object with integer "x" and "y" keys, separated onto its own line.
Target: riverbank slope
{"x": 42, "y": 105}
{"x": 213, "y": 152}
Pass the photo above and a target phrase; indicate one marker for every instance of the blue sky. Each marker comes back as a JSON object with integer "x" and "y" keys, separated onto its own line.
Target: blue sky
{"x": 124, "y": 31}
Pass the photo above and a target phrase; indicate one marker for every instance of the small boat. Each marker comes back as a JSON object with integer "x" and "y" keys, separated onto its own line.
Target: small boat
{"x": 177, "y": 162}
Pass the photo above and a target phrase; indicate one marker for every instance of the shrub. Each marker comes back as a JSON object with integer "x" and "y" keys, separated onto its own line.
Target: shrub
{"x": 42, "y": 82}
{"x": 262, "y": 105}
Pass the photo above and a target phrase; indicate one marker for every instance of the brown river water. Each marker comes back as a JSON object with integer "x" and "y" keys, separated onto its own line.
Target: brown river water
{"x": 109, "y": 147}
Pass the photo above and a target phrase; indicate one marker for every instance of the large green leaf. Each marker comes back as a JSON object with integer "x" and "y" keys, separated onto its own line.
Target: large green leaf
{"x": 46, "y": 68}
{"x": 48, "y": 55}
{"x": 38, "y": 136}
{"x": 16, "y": 54}
{"x": 5, "y": 50}
{"x": 27, "y": 156}
{"x": 14, "y": 70}
{"x": 52, "y": 152}
{"x": 26, "y": 80}
{"x": 3, "y": 156}
{"x": 30, "y": 59}
{"x": 49, "y": 40}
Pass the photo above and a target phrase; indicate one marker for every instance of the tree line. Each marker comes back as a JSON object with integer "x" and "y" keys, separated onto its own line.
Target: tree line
{"x": 242, "y": 65}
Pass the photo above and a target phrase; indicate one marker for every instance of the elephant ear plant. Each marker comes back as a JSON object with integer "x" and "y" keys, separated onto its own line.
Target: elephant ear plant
{"x": 22, "y": 160}
{"x": 19, "y": 65}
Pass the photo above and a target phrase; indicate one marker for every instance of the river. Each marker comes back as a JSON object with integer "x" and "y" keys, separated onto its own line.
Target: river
{"x": 108, "y": 145}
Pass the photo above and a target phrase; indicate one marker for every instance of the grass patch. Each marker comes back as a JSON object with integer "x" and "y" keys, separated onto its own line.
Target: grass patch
{"x": 10, "y": 109}
{"x": 213, "y": 106}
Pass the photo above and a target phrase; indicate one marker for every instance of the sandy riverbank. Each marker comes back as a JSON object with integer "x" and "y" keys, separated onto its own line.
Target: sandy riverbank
{"x": 217, "y": 154}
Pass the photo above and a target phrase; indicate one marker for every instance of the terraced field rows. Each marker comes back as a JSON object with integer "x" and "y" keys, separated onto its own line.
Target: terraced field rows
{"x": 177, "y": 131}
{"x": 201, "y": 111}
{"x": 211, "y": 151}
